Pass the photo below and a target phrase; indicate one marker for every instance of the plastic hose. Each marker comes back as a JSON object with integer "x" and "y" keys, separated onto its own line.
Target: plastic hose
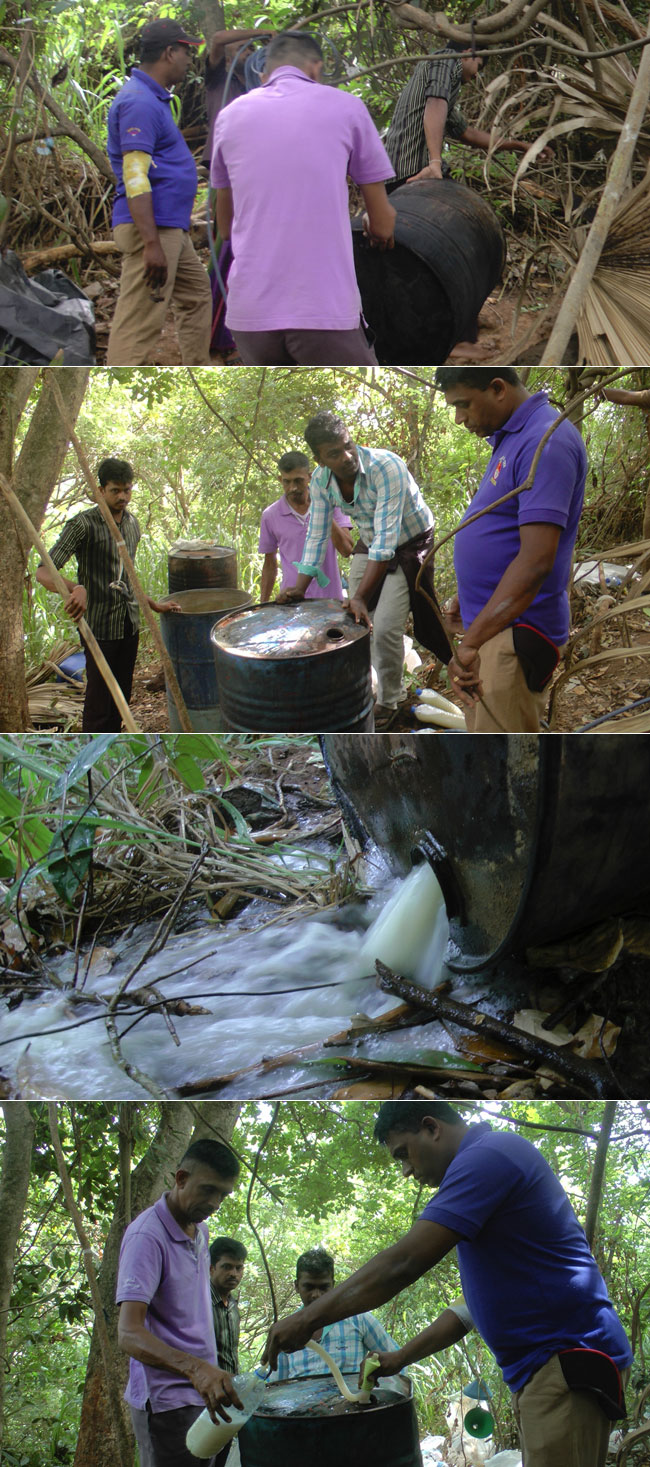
{"x": 331, "y": 1364}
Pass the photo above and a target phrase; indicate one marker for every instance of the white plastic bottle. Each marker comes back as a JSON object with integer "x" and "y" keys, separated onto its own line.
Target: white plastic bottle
{"x": 205, "y": 1437}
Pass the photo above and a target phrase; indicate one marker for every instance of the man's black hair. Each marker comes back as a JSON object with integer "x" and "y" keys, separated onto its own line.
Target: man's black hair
{"x": 313, "y": 1262}
{"x": 214, "y": 1154}
{"x": 325, "y": 427}
{"x": 230, "y": 1247}
{"x": 408, "y": 1115}
{"x": 293, "y": 460}
{"x": 289, "y": 46}
{"x": 116, "y": 469}
{"x": 480, "y": 377}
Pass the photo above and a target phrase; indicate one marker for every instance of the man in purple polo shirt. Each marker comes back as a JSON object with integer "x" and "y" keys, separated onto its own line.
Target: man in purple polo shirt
{"x": 513, "y": 564}
{"x": 280, "y": 162}
{"x": 165, "y": 1321}
{"x": 530, "y": 1281}
{"x": 284, "y": 530}
{"x": 156, "y": 186}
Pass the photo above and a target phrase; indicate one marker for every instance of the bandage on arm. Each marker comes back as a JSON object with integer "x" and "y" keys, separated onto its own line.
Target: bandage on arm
{"x": 136, "y": 173}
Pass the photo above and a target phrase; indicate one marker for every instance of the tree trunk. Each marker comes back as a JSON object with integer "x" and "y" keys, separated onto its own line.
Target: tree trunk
{"x": 598, "y": 1174}
{"x": 34, "y": 474}
{"x": 14, "y": 1185}
{"x": 138, "y": 1189}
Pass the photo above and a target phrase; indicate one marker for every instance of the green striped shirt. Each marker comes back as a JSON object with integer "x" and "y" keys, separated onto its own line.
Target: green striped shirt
{"x": 405, "y": 142}
{"x": 110, "y": 614}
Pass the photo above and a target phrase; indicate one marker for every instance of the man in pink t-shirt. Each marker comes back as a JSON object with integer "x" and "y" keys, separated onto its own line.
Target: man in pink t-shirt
{"x": 280, "y": 163}
{"x": 283, "y": 531}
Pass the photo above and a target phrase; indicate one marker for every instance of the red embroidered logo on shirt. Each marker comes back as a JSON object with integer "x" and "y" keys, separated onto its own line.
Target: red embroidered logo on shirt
{"x": 501, "y": 465}
{"x": 133, "y": 130}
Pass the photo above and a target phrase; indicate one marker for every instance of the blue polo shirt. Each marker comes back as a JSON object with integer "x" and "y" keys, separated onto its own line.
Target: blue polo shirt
{"x": 483, "y": 551}
{"x": 140, "y": 121}
{"x": 529, "y": 1279}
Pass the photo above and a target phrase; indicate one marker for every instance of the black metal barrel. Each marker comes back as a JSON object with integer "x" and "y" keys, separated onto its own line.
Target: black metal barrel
{"x": 293, "y": 669}
{"x": 198, "y": 565}
{"x": 299, "y": 1425}
{"x": 425, "y": 295}
{"x": 533, "y": 839}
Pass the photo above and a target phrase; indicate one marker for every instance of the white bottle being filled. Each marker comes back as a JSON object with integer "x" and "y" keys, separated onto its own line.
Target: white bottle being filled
{"x": 206, "y": 1437}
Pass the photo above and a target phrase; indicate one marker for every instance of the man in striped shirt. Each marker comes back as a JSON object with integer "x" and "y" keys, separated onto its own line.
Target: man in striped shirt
{"x": 101, "y": 593}
{"x": 348, "y": 1341}
{"x": 375, "y": 488}
{"x": 427, "y": 111}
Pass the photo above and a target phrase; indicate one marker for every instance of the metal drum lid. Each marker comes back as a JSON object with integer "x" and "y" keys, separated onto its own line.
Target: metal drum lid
{"x": 211, "y": 601}
{"x": 199, "y": 550}
{"x": 306, "y": 629}
{"x": 315, "y": 1396}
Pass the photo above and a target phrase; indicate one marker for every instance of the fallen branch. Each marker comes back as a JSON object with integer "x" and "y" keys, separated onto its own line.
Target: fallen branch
{"x": 585, "y": 1077}
{"x": 40, "y": 259}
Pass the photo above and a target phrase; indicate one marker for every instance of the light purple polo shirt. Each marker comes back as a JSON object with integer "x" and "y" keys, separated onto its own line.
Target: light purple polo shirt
{"x": 160, "y": 1266}
{"x": 286, "y": 150}
{"x": 284, "y": 531}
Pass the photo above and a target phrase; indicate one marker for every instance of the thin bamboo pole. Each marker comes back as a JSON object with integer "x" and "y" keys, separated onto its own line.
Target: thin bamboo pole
{"x": 141, "y": 598}
{"x": 597, "y": 237}
{"x": 91, "y": 642}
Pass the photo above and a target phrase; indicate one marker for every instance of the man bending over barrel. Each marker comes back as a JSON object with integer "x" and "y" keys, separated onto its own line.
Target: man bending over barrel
{"x": 532, "y": 1285}
{"x": 381, "y": 496}
{"x": 513, "y": 563}
{"x": 427, "y": 111}
{"x": 348, "y": 1341}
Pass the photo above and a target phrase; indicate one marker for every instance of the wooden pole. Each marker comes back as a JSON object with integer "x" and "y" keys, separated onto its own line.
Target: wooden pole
{"x": 597, "y": 237}
{"x": 142, "y": 600}
{"x": 91, "y": 642}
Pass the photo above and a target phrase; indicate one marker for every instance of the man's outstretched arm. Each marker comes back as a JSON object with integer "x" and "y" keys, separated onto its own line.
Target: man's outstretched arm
{"x": 378, "y": 1281}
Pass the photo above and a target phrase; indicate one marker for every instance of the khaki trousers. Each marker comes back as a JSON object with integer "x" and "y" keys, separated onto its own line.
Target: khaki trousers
{"x": 139, "y": 319}
{"x": 560, "y": 1427}
{"x": 388, "y": 622}
{"x": 505, "y": 691}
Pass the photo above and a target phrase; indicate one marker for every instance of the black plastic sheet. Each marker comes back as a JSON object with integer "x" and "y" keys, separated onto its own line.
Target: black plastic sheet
{"x": 42, "y": 316}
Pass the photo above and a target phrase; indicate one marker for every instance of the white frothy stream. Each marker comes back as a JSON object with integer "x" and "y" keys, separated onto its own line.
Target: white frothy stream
{"x": 242, "y": 980}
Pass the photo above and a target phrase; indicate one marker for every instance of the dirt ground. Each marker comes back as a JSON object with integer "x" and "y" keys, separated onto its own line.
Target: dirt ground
{"x": 512, "y": 327}
{"x": 586, "y": 696}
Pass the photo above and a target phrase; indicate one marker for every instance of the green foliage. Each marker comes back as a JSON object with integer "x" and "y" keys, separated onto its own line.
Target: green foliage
{"x": 202, "y": 471}
{"x": 322, "y": 1181}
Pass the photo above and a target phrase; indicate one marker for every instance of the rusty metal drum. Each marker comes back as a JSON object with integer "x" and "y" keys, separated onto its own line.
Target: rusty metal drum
{"x": 301, "y": 668}
{"x": 200, "y": 565}
{"x": 307, "y": 1421}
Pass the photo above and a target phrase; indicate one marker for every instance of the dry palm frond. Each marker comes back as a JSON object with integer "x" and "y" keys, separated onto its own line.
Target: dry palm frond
{"x": 42, "y": 671}
{"x": 614, "y": 323}
{"x": 55, "y": 704}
